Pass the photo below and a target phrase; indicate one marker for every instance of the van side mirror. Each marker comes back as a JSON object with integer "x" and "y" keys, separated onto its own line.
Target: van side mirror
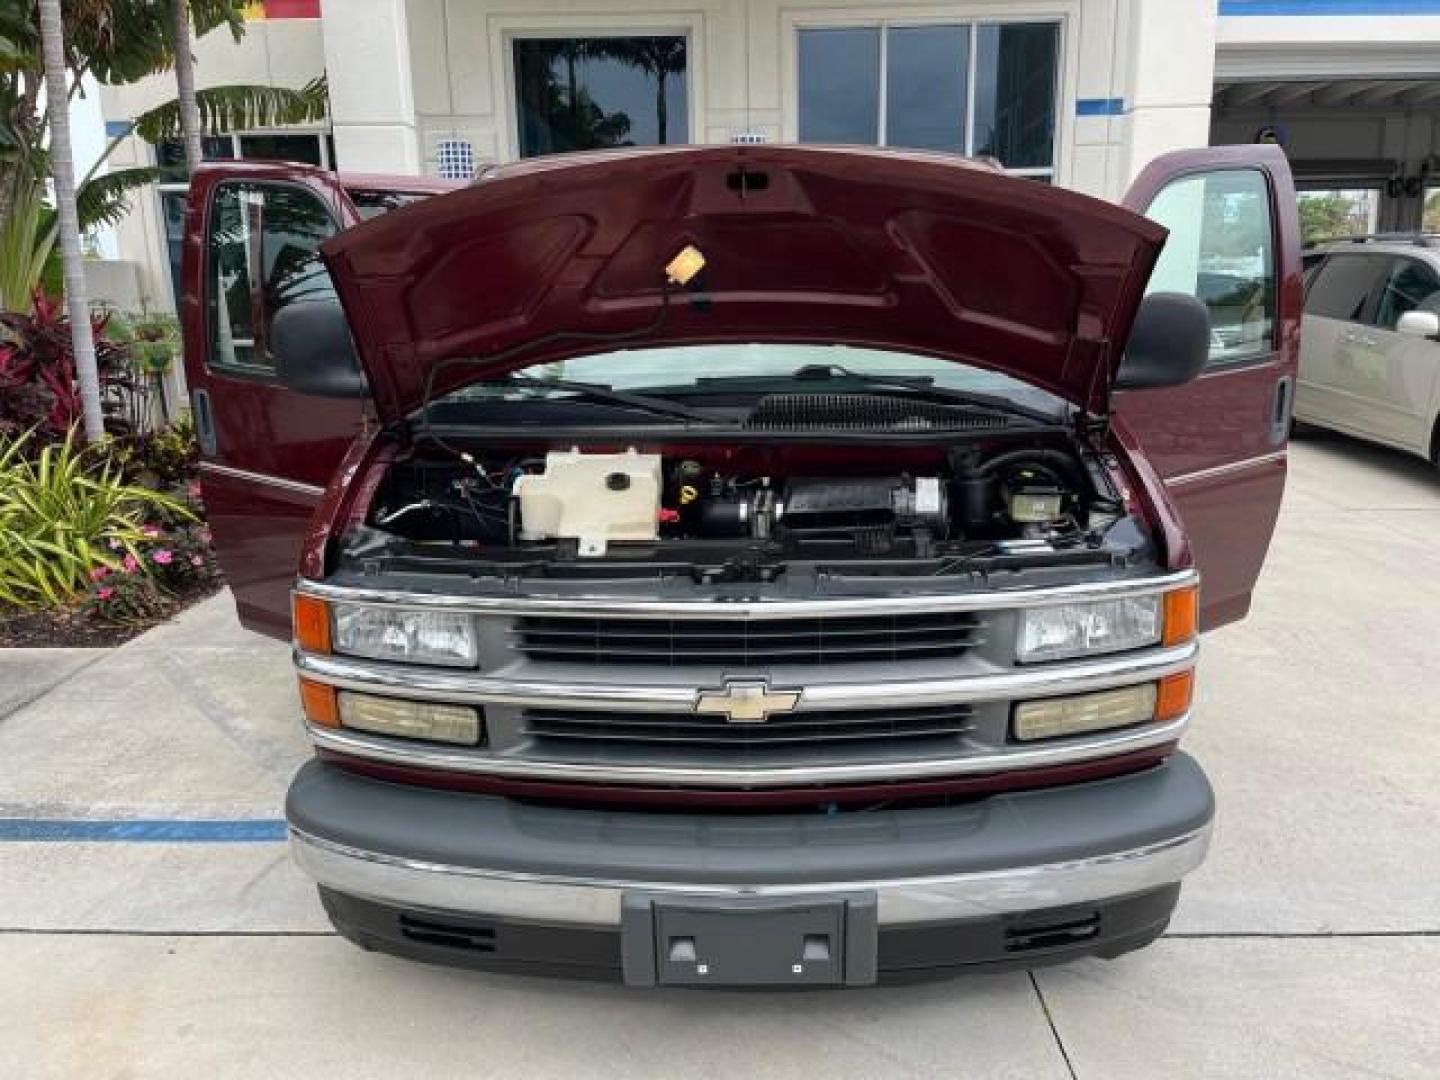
{"x": 1421, "y": 324}
{"x": 313, "y": 350}
{"x": 1169, "y": 342}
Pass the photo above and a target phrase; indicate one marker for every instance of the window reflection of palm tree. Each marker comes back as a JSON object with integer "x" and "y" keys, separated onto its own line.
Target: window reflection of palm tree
{"x": 563, "y": 116}
{"x": 657, "y": 57}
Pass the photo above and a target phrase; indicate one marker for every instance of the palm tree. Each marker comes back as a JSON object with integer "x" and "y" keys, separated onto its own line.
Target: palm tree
{"x": 181, "y": 44}
{"x": 62, "y": 170}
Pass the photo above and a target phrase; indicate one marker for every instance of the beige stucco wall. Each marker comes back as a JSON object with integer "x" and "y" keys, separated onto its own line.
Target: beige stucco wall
{"x": 449, "y": 74}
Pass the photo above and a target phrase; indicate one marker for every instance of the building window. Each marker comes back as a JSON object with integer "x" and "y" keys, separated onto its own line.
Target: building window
{"x": 967, "y": 88}
{"x": 591, "y": 93}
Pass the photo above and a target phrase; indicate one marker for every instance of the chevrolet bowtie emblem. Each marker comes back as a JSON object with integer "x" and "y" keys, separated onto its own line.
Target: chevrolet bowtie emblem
{"x": 746, "y": 702}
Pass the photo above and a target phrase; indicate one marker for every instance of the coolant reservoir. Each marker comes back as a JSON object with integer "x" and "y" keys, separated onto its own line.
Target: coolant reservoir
{"x": 592, "y": 498}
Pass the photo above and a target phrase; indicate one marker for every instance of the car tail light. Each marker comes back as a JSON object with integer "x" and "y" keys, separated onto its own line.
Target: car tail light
{"x": 311, "y": 618}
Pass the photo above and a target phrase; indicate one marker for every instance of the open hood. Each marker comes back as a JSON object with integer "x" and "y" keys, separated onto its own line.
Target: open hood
{"x": 906, "y": 251}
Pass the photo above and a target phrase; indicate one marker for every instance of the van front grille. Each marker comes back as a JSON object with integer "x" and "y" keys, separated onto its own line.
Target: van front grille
{"x": 923, "y": 635}
{"x": 574, "y": 727}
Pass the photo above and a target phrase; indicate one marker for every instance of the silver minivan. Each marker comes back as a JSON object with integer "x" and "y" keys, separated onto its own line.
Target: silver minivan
{"x": 1370, "y": 346}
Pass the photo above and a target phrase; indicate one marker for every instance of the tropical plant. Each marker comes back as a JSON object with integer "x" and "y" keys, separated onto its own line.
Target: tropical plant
{"x": 66, "y": 512}
{"x": 116, "y": 41}
{"x": 37, "y": 373}
{"x": 236, "y": 108}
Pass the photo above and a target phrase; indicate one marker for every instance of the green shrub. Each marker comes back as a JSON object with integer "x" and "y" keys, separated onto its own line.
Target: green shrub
{"x": 65, "y": 512}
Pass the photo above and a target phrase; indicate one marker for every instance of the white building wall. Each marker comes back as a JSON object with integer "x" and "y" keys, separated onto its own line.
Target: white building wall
{"x": 1123, "y": 96}
{"x": 287, "y": 52}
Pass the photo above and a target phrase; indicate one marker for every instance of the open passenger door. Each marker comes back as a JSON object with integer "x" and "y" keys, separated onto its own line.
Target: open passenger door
{"x": 252, "y": 238}
{"x": 1219, "y": 443}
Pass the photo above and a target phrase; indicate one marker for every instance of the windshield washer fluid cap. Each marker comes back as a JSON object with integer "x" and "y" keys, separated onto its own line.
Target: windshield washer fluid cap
{"x": 591, "y": 498}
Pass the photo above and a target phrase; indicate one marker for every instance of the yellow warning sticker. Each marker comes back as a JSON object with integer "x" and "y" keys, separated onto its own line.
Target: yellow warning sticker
{"x": 685, "y": 265}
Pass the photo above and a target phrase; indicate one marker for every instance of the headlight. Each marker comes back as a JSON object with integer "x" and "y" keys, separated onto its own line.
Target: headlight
{"x": 1054, "y": 717}
{"x": 1106, "y": 626}
{"x": 410, "y": 719}
{"x": 420, "y": 637}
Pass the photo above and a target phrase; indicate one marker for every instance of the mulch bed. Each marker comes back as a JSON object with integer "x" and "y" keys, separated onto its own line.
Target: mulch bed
{"x": 68, "y": 628}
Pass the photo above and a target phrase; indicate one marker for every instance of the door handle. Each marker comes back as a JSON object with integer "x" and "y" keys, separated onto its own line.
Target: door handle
{"x": 1280, "y": 409}
{"x": 204, "y": 421}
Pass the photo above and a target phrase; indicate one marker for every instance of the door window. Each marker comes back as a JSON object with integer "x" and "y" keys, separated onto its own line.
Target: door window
{"x": 1410, "y": 285}
{"x": 1343, "y": 286}
{"x": 263, "y": 254}
{"x": 1220, "y": 249}
{"x": 968, "y": 88}
{"x": 590, "y": 93}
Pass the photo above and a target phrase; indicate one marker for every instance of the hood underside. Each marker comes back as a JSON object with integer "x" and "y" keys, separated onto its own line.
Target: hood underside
{"x": 891, "y": 250}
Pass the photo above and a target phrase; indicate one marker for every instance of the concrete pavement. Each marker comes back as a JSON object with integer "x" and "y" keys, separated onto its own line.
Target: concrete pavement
{"x": 1308, "y": 946}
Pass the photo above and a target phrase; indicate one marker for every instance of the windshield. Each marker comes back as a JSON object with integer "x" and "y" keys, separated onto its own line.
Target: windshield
{"x": 688, "y": 367}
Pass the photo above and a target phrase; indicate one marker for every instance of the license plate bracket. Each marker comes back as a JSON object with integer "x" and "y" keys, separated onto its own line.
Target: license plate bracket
{"x": 823, "y": 940}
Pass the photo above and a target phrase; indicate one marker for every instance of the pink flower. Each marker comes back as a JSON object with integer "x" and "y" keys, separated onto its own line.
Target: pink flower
{"x": 197, "y": 560}
{"x": 150, "y": 531}
{"x": 99, "y": 572}
{"x": 104, "y": 594}
{"x": 130, "y": 564}
{"x": 192, "y": 489}
{"x": 113, "y": 544}
{"x": 164, "y": 556}
{"x": 205, "y": 536}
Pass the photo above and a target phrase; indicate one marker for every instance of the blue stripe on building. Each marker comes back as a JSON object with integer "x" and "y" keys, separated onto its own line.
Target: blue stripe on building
{"x": 1101, "y": 106}
{"x": 118, "y": 129}
{"x": 143, "y": 830}
{"x": 1330, "y": 7}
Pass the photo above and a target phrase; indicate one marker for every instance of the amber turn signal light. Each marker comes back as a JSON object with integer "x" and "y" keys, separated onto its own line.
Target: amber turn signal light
{"x": 320, "y": 703}
{"x": 1182, "y": 616}
{"x": 1173, "y": 699}
{"x": 312, "y": 623}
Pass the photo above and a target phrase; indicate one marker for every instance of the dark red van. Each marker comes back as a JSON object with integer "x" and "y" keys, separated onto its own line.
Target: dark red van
{"x": 745, "y": 566}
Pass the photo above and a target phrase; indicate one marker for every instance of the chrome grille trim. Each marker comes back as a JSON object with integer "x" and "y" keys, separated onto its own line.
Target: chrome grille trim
{"x": 991, "y": 599}
{"x": 1047, "y": 680}
{"x": 1028, "y": 757}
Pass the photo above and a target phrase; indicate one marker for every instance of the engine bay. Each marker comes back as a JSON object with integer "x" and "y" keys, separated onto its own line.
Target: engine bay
{"x": 745, "y": 511}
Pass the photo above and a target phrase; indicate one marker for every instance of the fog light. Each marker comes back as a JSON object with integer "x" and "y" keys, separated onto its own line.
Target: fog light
{"x": 410, "y": 719}
{"x": 1055, "y": 717}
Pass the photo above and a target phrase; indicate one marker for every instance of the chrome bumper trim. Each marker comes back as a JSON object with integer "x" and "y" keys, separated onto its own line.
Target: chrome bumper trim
{"x": 990, "y": 599}
{"x": 410, "y": 883}
{"x": 1041, "y": 680}
{"x": 393, "y": 752}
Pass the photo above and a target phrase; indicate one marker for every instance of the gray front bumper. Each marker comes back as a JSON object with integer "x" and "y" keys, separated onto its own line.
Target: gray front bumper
{"x": 444, "y": 851}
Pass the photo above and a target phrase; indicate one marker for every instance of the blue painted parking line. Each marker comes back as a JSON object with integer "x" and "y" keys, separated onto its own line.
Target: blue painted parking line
{"x": 144, "y": 830}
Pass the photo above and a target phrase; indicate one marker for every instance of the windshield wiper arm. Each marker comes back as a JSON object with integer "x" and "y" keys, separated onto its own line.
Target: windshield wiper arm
{"x": 600, "y": 392}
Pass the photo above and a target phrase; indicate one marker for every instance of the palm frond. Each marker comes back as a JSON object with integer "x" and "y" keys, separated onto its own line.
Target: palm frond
{"x": 104, "y": 200}
{"x": 210, "y": 15}
{"x": 238, "y": 108}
